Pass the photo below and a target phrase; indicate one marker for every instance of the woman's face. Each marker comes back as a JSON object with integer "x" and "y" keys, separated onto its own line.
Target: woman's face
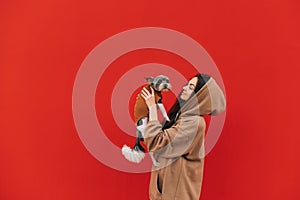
{"x": 189, "y": 89}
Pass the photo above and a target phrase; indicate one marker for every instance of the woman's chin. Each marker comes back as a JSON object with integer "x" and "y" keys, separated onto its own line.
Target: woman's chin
{"x": 183, "y": 98}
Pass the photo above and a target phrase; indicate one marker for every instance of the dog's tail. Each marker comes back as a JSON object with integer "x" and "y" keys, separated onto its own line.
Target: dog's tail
{"x": 133, "y": 155}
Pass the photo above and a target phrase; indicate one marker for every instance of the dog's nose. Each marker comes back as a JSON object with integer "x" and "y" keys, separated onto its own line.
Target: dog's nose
{"x": 165, "y": 86}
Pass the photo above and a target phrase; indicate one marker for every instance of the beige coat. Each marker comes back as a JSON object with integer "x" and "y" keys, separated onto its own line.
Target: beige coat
{"x": 179, "y": 149}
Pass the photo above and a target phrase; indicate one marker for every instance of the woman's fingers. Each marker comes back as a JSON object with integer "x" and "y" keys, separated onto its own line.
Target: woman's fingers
{"x": 152, "y": 91}
{"x": 147, "y": 93}
{"x": 148, "y": 97}
{"x": 144, "y": 97}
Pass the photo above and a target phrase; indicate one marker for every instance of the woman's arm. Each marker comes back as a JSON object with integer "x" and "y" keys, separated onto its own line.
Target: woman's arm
{"x": 176, "y": 140}
{"x": 172, "y": 142}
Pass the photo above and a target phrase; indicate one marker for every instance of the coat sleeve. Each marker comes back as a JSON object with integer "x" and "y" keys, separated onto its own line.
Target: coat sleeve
{"x": 172, "y": 142}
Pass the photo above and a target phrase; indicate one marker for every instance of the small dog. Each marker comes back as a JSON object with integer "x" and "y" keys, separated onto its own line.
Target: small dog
{"x": 159, "y": 84}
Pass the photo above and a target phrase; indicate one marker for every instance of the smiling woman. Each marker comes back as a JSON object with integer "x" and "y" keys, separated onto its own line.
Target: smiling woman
{"x": 178, "y": 146}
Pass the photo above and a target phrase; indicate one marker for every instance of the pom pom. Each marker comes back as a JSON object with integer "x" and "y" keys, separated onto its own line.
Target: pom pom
{"x": 132, "y": 155}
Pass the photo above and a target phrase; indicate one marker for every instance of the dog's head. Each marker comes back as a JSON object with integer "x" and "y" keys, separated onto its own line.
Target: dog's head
{"x": 160, "y": 83}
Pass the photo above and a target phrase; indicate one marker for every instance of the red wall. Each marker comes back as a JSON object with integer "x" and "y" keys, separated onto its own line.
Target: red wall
{"x": 43, "y": 43}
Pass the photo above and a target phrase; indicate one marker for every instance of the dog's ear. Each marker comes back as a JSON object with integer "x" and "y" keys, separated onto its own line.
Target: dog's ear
{"x": 149, "y": 79}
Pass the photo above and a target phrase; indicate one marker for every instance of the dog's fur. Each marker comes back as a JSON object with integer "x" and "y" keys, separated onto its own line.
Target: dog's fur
{"x": 141, "y": 112}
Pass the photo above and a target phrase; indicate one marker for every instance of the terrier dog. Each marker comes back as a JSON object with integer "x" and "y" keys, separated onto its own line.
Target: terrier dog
{"x": 159, "y": 84}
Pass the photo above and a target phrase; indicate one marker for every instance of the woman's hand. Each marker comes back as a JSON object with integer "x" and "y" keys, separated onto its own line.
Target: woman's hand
{"x": 150, "y": 101}
{"x": 149, "y": 97}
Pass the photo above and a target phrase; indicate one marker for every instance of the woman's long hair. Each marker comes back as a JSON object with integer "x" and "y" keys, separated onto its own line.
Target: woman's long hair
{"x": 174, "y": 111}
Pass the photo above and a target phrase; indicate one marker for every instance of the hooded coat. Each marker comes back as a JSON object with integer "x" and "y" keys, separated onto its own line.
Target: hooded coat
{"x": 180, "y": 148}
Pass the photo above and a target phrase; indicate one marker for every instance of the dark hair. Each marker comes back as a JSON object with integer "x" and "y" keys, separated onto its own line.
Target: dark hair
{"x": 174, "y": 111}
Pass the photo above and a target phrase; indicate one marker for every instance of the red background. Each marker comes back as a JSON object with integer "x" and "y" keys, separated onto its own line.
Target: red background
{"x": 255, "y": 45}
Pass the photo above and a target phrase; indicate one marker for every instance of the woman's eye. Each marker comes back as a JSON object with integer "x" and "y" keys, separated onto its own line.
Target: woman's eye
{"x": 191, "y": 87}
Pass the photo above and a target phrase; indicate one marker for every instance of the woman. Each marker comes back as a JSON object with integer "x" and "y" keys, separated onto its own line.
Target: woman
{"x": 178, "y": 146}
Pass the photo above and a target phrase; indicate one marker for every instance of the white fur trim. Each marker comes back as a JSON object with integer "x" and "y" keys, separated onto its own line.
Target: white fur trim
{"x": 132, "y": 155}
